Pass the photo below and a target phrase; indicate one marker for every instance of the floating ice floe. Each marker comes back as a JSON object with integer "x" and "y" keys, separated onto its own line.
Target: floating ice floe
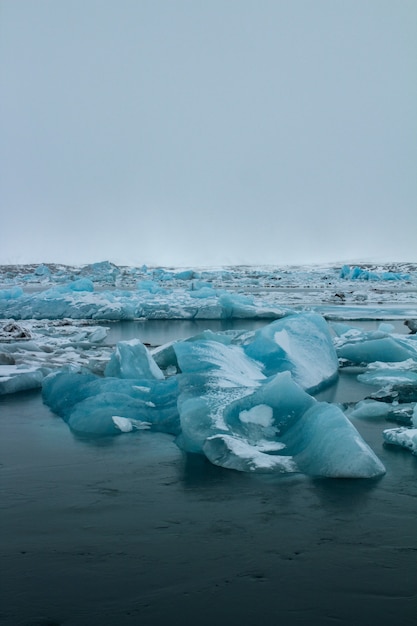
{"x": 355, "y": 346}
{"x": 403, "y": 436}
{"x": 242, "y": 413}
{"x": 31, "y": 351}
{"x": 369, "y": 409}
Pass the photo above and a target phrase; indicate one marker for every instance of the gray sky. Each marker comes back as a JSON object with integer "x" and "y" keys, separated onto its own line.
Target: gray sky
{"x": 191, "y": 132}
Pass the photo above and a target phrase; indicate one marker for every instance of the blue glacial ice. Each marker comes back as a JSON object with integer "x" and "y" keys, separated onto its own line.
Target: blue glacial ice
{"x": 122, "y": 293}
{"x": 89, "y": 403}
{"x": 357, "y": 347}
{"x": 301, "y": 344}
{"x": 241, "y": 398}
{"x": 243, "y": 413}
{"x": 132, "y": 360}
{"x": 79, "y": 300}
{"x": 358, "y": 273}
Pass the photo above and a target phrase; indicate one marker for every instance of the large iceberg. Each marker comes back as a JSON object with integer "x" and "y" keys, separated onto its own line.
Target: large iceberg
{"x": 238, "y": 398}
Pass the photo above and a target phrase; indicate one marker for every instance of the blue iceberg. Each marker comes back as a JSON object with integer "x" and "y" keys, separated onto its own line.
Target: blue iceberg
{"x": 239, "y": 398}
{"x": 362, "y": 347}
{"x": 301, "y": 344}
{"x": 358, "y": 273}
{"x": 90, "y": 404}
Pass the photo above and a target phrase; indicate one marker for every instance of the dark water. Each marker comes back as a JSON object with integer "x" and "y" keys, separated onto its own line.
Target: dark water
{"x": 131, "y": 531}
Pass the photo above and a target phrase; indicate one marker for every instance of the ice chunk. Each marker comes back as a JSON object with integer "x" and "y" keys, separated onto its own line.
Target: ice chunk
{"x": 370, "y": 409}
{"x": 14, "y": 378}
{"x": 324, "y": 443}
{"x": 404, "y": 437}
{"x": 103, "y": 271}
{"x": 78, "y": 301}
{"x": 370, "y": 347}
{"x": 132, "y": 359}
{"x": 299, "y": 343}
{"x": 318, "y": 436}
{"x": 94, "y": 415}
{"x": 88, "y": 402}
{"x": 62, "y": 390}
{"x": 229, "y": 365}
{"x": 11, "y": 294}
{"x": 240, "y": 428}
{"x": 42, "y": 270}
{"x": 213, "y": 375}
{"x": 388, "y": 377}
{"x": 268, "y": 410}
{"x": 237, "y": 306}
{"x": 82, "y": 284}
{"x": 98, "y": 334}
{"x": 235, "y": 453}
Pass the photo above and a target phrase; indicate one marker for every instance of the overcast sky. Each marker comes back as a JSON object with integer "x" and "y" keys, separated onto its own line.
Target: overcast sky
{"x": 207, "y": 132}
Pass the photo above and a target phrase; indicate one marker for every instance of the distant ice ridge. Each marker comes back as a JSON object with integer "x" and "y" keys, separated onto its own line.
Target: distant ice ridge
{"x": 103, "y": 291}
{"x": 358, "y": 273}
{"x": 79, "y": 300}
{"x": 238, "y": 398}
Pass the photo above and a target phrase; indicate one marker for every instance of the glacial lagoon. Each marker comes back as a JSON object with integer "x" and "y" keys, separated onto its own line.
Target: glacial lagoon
{"x": 131, "y": 529}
